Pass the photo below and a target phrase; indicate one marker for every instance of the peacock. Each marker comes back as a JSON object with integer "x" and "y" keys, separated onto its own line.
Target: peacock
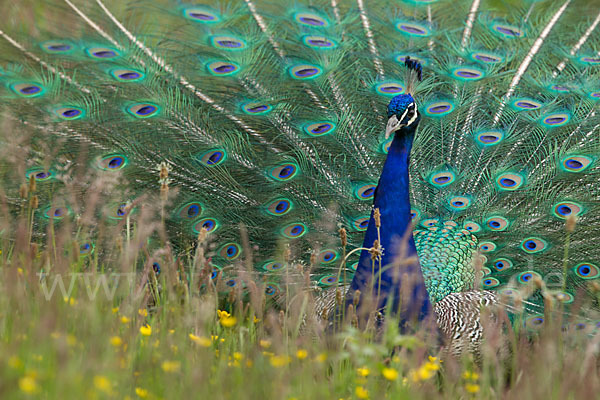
{"x": 454, "y": 144}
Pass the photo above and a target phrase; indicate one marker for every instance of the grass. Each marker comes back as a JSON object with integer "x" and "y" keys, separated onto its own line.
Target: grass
{"x": 104, "y": 325}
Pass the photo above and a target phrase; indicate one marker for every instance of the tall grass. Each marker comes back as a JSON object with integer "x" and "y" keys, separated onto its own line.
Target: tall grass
{"x": 126, "y": 318}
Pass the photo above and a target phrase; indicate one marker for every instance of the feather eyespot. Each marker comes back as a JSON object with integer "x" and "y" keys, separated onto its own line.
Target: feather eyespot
{"x": 442, "y": 179}
{"x": 272, "y": 289}
{"x": 210, "y": 224}
{"x": 413, "y": 29}
{"x": 487, "y": 58}
{"x": 305, "y": 71}
{"x": 510, "y": 181}
{"x": 254, "y": 108}
{"x": 329, "y": 280}
{"x": 39, "y": 174}
{"x": 576, "y": 163}
{"x": 294, "y": 231}
{"x": 202, "y": 15}
{"x": 389, "y": 88}
{"x": 555, "y": 120}
{"x": 586, "y": 271}
{"x": 143, "y": 110}
{"x": 487, "y": 247}
{"x": 127, "y": 75}
{"x": 365, "y": 191}
{"x": 69, "y": 113}
{"x": 327, "y": 256}
{"x": 279, "y": 207}
{"x": 227, "y": 43}
{"x": 415, "y": 214}
{"x": 489, "y": 138}
{"x": 459, "y": 203}
{"x": 57, "y": 213}
{"x": 564, "y": 297}
{"x": 534, "y": 322}
{"x": 113, "y": 162}
{"x": 502, "y": 264}
{"x": 311, "y": 20}
{"x": 489, "y": 283}
{"x": 467, "y": 74}
{"x": 57, "y": 47}
{"x": 223, "y": 68}
{"x": 526, "y": 277}
{"x": 439, "y": 108}
{"x": 497, "y": 224}
{"x": 319, "y": 42}
{"x": 230, "y": 251}
{"x": 526, "y": 104}
{"x": 507, "y": 31}
{"x": 102, "y": 53}
{"x": 216, "y": 271}
{"x": 29, "y": 90}
{"x": 428, "y": 223}
{"x": 284, "y": 172}
{"x": 565, "y": 209}
{"x": 472, "y": 227}
{"x": 213, "y": 157}
{"x": 86, "y": 249}
{"x": 317, "y": 129}
{"x": 534, "y": 245}
{"x": 273, "y": 266}
{"x": 361, "y": 224}
{"x": 190, "y": 210}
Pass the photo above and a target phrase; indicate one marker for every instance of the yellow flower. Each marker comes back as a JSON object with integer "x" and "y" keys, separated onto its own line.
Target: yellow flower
{"x": 116, "y": 341}
{"x": 238, "y": 356}
{"x": 301, "y": 354}
{"x": 471, "y": 375}
{"x": 125, "y": 320}
{"x": 143, "y": 312}
{"x": 472, "y": 387}
{"x": 171, "y": 366}
{"x": 28, "y": 385}
{"x": 364, "y": 371}
{"x": 279, "y": 361}
{"x": 142, "y": 393}
{"x": 265, "y": 344}
{"x": 424, "y": 372}
{"x": 146, "y": 330}
{"x": 171, "y": 331}
{"x": 71, "y": 340}
{"x": 390, "y": 374}
{"x": 115, "y": 310}
{"x": 223, "y": 314}
{"x": 19, "y": 269}
{"x": 102, "y": 383}
{"x": 431, "y": 366}
{"x": 361, "y": 392}
{"x": 200, "y": 340}
{"x": 15, "y": 362}
{"x": 71, "y": 301}
{"x": 321, "y": 358}
{"x": 249, "y": 363}
{"x": 256, "y": 320}
{"x": 228, "y": 322}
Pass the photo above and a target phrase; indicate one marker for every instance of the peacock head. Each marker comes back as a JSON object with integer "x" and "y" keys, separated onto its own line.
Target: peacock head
{"x": 402, "y": 112}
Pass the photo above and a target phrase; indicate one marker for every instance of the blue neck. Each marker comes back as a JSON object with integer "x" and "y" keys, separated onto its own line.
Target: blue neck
{"x": 392, "y": 200}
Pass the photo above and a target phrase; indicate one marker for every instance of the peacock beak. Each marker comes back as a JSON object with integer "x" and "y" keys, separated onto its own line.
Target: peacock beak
{"x": 392, "y": 126}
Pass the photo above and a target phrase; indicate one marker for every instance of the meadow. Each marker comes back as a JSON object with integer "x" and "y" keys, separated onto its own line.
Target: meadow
{"x": 124, "y": 318}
